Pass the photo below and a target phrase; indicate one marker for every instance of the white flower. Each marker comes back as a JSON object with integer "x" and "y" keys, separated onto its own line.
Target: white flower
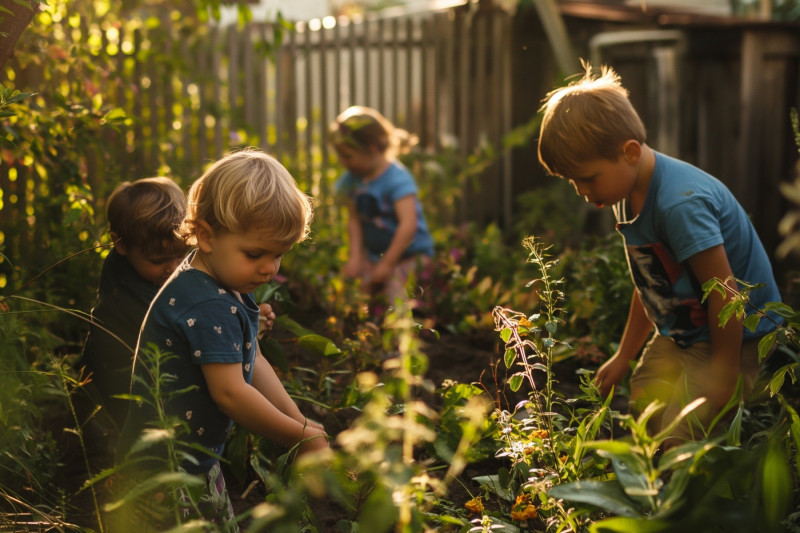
{"x": 191, "y": 322}
{"x": 221, "y": 290}
{"x": 248, "y": 345}
{"x": 233, "y": 309}
{"x": 200, "y": 431}
{"x": 237, "y": 347}
{"x": 172, "y": 302}
{"x": 168, "y": 342}
{"x": 197, "y": 353}
{"x": 218, "y": 329}
{"x": 247, "y": 367}
{"x": 188, "y": 415}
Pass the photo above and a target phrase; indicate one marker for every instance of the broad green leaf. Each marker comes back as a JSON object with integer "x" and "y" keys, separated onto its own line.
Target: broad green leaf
{"x": 776, "y": 484}
{"x": 515, "y": 382}
{"x": 629, "y": 525}
{"x": 606, "y": 495}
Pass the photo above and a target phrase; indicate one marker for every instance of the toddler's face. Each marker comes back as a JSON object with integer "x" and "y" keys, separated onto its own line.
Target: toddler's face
{"x": 155, "y": 267}
{"x": 362, "y": 163}
{"x": 241, "y": 261}
{"x": 604, "y": 182}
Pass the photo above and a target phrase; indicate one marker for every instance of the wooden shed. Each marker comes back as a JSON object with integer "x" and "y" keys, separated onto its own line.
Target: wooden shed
{"x": 714, "y": 91}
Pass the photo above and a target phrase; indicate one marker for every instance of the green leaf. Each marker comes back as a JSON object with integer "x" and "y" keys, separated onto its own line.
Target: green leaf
{"x": 606, "y": 495}
{"x": 515, "y": 382}
{"x": 509, "y": 357}
{"x": 629, "y": 525}
{"x": 319, "y": 344}
{"x": 274, "y": 353}
{"x": 505, "y": 334}
{"x": 776, "y": 484}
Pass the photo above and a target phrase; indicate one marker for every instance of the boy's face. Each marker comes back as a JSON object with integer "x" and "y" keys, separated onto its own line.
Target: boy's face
{"x": 362, "y": 163}
{"x": 604, "y": 182}
{"x": 155, "y": 267}
{"x": 239, "y": 261}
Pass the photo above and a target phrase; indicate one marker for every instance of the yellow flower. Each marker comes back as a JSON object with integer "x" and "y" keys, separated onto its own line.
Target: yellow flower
{"x": 523, "y": 508}
{"x": 475, "y": 505}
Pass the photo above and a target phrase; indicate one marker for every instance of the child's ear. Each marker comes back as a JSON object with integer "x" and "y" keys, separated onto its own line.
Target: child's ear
{"x": 632, "y": 151}
{"x": 119, "y": 244}
{"x": 204, "y": 235}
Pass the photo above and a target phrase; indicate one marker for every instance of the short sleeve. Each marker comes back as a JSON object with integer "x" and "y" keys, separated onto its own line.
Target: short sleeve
{"x": 691, "y": 227}
{"x": 214, "y": 333}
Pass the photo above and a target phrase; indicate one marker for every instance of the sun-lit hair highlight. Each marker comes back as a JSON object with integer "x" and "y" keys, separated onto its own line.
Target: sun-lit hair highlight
{"x": 590, "y": 118}
{"x": 362, "y": 128}
{"x": 246, "y": 190}
{"x": 145, "y": 214}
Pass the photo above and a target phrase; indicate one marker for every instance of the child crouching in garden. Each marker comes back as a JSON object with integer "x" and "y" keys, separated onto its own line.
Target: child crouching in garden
{"x": 388, "y": 237}
{"x": 198, "y": 346}
{"x": 681, "y": 228}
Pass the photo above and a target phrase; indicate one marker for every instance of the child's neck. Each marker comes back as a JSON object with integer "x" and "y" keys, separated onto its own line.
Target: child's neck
{"x": 638, "y": 194}
{"x": 381, "y": 164}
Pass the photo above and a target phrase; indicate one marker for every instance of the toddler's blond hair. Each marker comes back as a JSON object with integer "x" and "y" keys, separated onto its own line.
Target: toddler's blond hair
{"x": 248, "y": 189}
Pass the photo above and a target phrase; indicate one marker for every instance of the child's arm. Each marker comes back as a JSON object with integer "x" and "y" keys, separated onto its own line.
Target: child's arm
{"x": 726, "y": 343}
{"x": 270, "y": 412}
{"x": 637, "y": 330}
{"x": 406, "y": 210}
{"x": 356, "y": 241}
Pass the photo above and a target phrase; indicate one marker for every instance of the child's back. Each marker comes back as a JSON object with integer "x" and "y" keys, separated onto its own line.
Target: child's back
{"x": 143, "y": 216}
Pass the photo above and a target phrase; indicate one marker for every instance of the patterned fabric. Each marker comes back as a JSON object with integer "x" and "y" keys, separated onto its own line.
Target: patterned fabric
{"x": 200, "y": 322}
{"x": 375, "y": 201}
{"x": 686, "y": 212}
{"x": 210, "y": 502}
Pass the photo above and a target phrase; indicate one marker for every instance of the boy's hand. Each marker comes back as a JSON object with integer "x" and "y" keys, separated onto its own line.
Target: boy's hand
{"x": 610, "y": 373}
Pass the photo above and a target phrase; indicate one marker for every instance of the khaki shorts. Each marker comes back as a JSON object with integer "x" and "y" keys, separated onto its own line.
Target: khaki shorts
{"x": 677, "y": 376}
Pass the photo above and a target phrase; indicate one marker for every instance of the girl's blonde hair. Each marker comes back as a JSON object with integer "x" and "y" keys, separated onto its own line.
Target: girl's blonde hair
{"x": 246, "y": 190}
{"x": 362, "y": 127}
{"x": 144, "y": 214}
{"x": 590, "y": 118}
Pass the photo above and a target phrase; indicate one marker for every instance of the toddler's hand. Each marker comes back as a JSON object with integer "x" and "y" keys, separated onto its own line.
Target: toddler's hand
{"x": 315, "y": 439}
{"x": 266, "y": 317}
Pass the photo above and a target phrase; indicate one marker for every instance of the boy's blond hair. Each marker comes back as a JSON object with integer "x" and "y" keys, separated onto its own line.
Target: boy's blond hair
{"x": 590, "y": 118}
{"x": 246, "y": 190}
{"x": 144, "y": 214}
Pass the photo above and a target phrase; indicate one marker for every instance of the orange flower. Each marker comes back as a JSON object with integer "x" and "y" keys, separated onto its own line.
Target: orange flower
{"x": 475, "y": 505}
{"x": 539, "y": 434}
{"x": 523, "y": 508}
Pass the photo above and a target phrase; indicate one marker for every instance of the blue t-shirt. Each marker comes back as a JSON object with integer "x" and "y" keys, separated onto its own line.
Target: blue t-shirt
{"x": 200, "y": 322}
{"x": 375, "y": 201}
{"x": 686, "y": 212}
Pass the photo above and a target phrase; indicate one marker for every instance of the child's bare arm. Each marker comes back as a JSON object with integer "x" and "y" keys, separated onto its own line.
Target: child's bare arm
{"x": 248, "y": 406}
{"x": 355, "y": 244}
{"x": 726, "y": 343}
{"x": 637, "y": 329}
{"x": 406, "y": 210}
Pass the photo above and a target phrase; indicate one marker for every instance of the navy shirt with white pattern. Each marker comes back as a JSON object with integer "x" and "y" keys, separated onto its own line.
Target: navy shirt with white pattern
{"x": 200, "y": 322}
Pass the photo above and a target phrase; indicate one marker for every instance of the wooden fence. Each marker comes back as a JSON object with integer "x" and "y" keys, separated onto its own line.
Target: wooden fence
{"x": 443, "y": 76}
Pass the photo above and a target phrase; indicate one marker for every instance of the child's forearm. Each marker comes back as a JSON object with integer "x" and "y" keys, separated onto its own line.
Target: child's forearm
{"x": 400, "y": 243}
{"x": 266, "y": 382}
{"x": 726, "y": 348}
{"x": 637, "y": 330}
